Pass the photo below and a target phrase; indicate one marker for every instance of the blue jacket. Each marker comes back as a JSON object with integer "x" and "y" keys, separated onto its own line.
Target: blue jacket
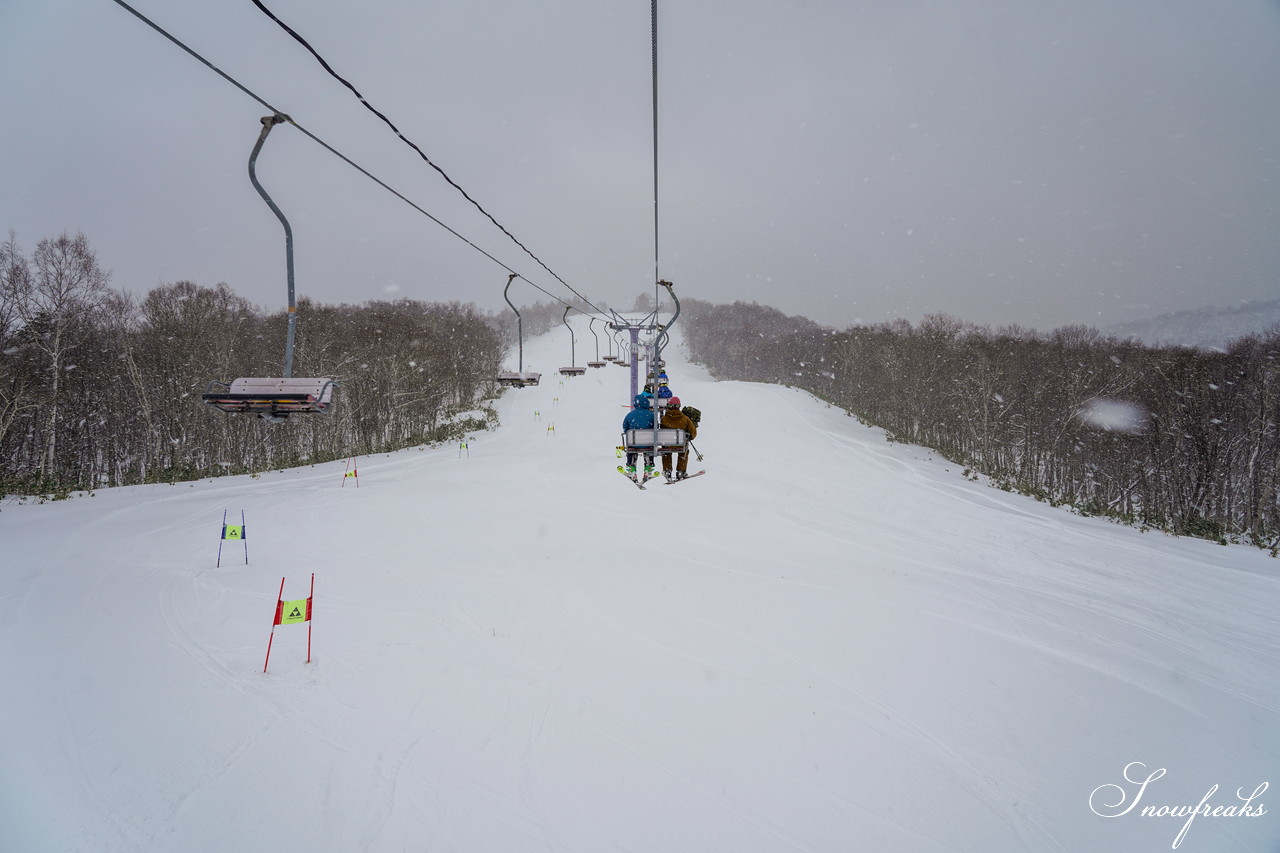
{"x": 638, "y": 419}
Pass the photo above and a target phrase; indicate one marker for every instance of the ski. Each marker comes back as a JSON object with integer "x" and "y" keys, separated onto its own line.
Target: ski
{"x": 639, "y": 484}
{"x": 690, "y": 477}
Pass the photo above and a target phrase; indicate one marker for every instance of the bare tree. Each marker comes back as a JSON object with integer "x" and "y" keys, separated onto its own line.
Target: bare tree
{"x": 17, "y": 387}
{"x": 1199, "y": 453}
{"x": 56, "y": 302}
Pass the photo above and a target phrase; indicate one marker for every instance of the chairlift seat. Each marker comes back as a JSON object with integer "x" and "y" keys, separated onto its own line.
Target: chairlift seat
{"x": 641, "y": 440}
{"x": 595, "y": 364}
{"x": 572, "y": 371}
{"x": 271, "y": 397}
{"x": 518, "y": 380}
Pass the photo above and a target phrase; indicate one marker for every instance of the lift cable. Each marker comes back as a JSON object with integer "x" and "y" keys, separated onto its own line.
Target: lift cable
{"x": 658, "y": 283}
{"x": 332, "y": 150}
{"x": 327, "y": 67}
{"x": 656, "y": 276}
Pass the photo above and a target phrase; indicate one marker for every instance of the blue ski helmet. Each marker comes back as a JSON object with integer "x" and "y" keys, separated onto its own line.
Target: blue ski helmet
{"x": 642, "y": 401}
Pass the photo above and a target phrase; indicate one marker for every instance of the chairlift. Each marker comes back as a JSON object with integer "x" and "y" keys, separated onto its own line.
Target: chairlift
{"x": 656, "y": 439}
{"x": 592, "y": 326}
{"x": 512, "y": 379}
{"x": 571, "y": 371}
{"x": 519, "y": 377}
{"x": 271, "y": 398}
{"x": 613, "y": 339}
{"x": 274, "y": 398}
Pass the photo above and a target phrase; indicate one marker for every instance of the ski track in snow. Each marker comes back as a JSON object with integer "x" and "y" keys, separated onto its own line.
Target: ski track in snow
{"x": 829, "y": 643}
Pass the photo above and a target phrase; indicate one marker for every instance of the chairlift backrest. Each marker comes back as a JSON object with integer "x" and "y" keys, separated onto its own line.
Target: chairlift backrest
{"x": 642, "y": 439}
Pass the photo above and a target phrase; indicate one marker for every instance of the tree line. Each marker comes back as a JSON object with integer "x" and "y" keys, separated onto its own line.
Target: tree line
{"x": 99, "y": 388}
{"x": 1172, "y": 438}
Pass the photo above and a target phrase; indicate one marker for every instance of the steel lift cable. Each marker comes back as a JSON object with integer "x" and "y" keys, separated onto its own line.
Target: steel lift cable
{"x": 329, "y": 68}
{"x": 286, "y": 118}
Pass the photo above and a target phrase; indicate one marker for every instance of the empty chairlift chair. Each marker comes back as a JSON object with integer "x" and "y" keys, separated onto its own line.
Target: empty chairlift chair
{"x": 520, "y": 377}
{"x": 274, "y": 398}
{"x": 571, "y": 371}
{"x": 512, "y": 379}
{"x": 271, "y": 397}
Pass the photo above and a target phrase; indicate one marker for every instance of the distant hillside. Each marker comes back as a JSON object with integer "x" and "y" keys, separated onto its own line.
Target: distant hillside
{"x": 1209, "y": 328}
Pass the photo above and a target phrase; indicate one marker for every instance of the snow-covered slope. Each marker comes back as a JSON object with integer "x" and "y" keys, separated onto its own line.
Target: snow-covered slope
{"x": 828, "y": 643}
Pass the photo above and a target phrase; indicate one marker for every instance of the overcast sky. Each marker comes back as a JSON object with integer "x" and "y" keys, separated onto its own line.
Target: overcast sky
{"x": 1005, "y": 161}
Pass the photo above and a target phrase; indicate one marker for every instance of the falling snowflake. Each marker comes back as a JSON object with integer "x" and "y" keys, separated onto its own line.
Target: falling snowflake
{"x": 1114, "y": 415}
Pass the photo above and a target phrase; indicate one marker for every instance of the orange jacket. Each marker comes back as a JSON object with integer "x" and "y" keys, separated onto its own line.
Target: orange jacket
{"x": 679, "y": 420}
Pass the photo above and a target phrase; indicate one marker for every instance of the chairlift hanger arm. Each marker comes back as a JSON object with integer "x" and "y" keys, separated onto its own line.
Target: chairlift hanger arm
{"x": 519, "y": 324}
{"x": 671, "y": 291}
{"x": 573, "y": 343}
{"x": 506, "y": 290}
{"x": 664, "y": 335}
{"x": 269, "y": 122}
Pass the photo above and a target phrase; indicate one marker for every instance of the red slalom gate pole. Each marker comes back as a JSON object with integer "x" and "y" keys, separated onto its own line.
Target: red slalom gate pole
{"x": 309, "y": 605}
{"x": 275, "y": 618}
